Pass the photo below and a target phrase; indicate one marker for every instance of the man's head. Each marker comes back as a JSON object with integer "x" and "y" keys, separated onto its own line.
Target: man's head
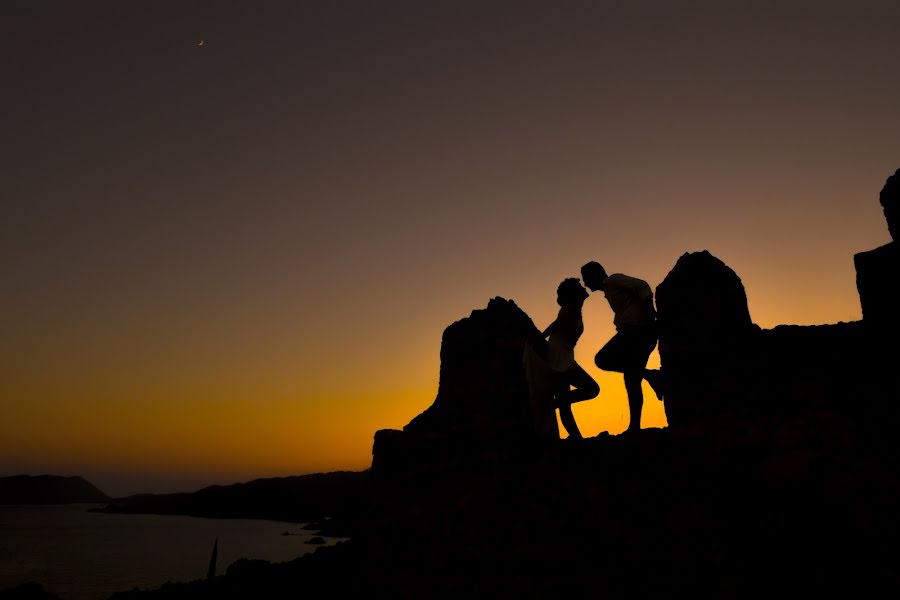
{"x": 890, "y": 200}
{"x": 593, "y": 275}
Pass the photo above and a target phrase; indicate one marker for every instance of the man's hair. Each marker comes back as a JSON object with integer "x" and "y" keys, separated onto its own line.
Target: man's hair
{"x": 890, "y": 193}
{"x": 570, "y": 291}
{"x": 594, "y": 268}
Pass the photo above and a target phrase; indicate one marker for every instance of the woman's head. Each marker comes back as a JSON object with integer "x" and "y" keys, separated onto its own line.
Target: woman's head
{"x": 570, "y": 291}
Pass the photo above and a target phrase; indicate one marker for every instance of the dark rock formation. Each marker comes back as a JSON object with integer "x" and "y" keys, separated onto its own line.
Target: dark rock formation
{"x": 766, "y": 479}
{"x": 482, "y": 388}
{"x": 705, "y": 338}
{"x": 801, "y": 370}
{"x": 878, "y": 282}
{"x": 771, "y": 476}
{"x": 719, "y": 365}
{"x": 481, "y": 412}
{"x": 48, "y": 489}
{"x": 878, "y": 276}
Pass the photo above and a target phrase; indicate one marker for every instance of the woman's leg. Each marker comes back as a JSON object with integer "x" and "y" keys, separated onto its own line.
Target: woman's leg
{"x": 568, "y": 421}
{"x": 585, "y": 386}
{"x": 627, "y": 352}
{"x": 585, "y": 389}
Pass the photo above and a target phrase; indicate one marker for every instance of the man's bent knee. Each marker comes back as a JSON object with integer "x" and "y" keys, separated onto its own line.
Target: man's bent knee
{"x": 605, "y": 362}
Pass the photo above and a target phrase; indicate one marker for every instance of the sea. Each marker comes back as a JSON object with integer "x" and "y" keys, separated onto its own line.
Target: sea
{"x": 82, "y": 555}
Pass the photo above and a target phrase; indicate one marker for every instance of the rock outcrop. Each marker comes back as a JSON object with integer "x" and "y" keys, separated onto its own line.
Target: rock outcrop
{"x": 481, "y": 412}
{"x": 771, "y": 475}
{"x": 705, "y": 338}
{"x": 719, "y": 365}
{"x": 482, "y": 389}
{"x": 878, "y": 270}
{"x": 878, "y": 283}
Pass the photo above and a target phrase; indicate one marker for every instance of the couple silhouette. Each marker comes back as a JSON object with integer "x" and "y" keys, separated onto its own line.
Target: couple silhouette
{"x": 556, "y": 380}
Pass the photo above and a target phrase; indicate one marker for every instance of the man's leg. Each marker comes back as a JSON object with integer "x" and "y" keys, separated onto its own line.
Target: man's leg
{"x": 627, "y": 353}
{"x": 612, "y": 356}
{"x": 635, "y": 399}
{"x": 655, "y": 378}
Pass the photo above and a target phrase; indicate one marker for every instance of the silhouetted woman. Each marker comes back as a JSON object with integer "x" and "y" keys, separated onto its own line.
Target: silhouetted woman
{"x": 559, "y": 355}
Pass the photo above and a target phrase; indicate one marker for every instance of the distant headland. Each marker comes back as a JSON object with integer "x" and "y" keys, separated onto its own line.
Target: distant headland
{"x": 48, "y": 489}
{"x": 314, "y": 498}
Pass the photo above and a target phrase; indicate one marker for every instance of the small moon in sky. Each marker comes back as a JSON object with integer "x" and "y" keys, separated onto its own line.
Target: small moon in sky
{"x": 200, "y": 43}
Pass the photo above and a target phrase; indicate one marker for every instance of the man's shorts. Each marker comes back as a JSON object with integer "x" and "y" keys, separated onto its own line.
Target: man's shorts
{"x": 628, "y": 350}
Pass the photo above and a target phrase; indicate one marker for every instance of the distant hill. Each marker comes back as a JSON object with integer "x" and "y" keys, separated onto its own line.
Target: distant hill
{"x": 48, "y": 489}
{"x": 302, "y": 498}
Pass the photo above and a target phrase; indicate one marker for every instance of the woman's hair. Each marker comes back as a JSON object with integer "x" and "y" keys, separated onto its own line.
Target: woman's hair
{"x": 570, "y": 291}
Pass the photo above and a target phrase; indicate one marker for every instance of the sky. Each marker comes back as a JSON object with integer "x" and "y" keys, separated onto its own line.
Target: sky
{"x": 235, "y": 259}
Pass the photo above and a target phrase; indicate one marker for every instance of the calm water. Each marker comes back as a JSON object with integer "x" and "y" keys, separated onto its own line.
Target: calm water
{"x": 81, "y": 555}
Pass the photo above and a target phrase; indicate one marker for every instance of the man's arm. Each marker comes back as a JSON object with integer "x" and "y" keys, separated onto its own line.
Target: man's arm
{"x": 550, "y": 329}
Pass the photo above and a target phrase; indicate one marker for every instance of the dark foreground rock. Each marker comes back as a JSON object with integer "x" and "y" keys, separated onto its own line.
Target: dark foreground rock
{"x": 48, "y": 489}
{"x": 807, "y": 508}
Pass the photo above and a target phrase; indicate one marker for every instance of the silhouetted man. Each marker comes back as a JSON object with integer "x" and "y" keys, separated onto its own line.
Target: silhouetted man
{"x": 627, "y": 352}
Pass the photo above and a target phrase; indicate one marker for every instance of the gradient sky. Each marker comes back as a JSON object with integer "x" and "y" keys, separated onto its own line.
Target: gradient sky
{"x": 236, "y": 260}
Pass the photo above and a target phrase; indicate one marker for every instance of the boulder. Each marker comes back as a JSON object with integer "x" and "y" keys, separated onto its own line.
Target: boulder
{"x": 482, "y": 386}
{"x": 706, "y": 336}
{"x": 482, "y": 410}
